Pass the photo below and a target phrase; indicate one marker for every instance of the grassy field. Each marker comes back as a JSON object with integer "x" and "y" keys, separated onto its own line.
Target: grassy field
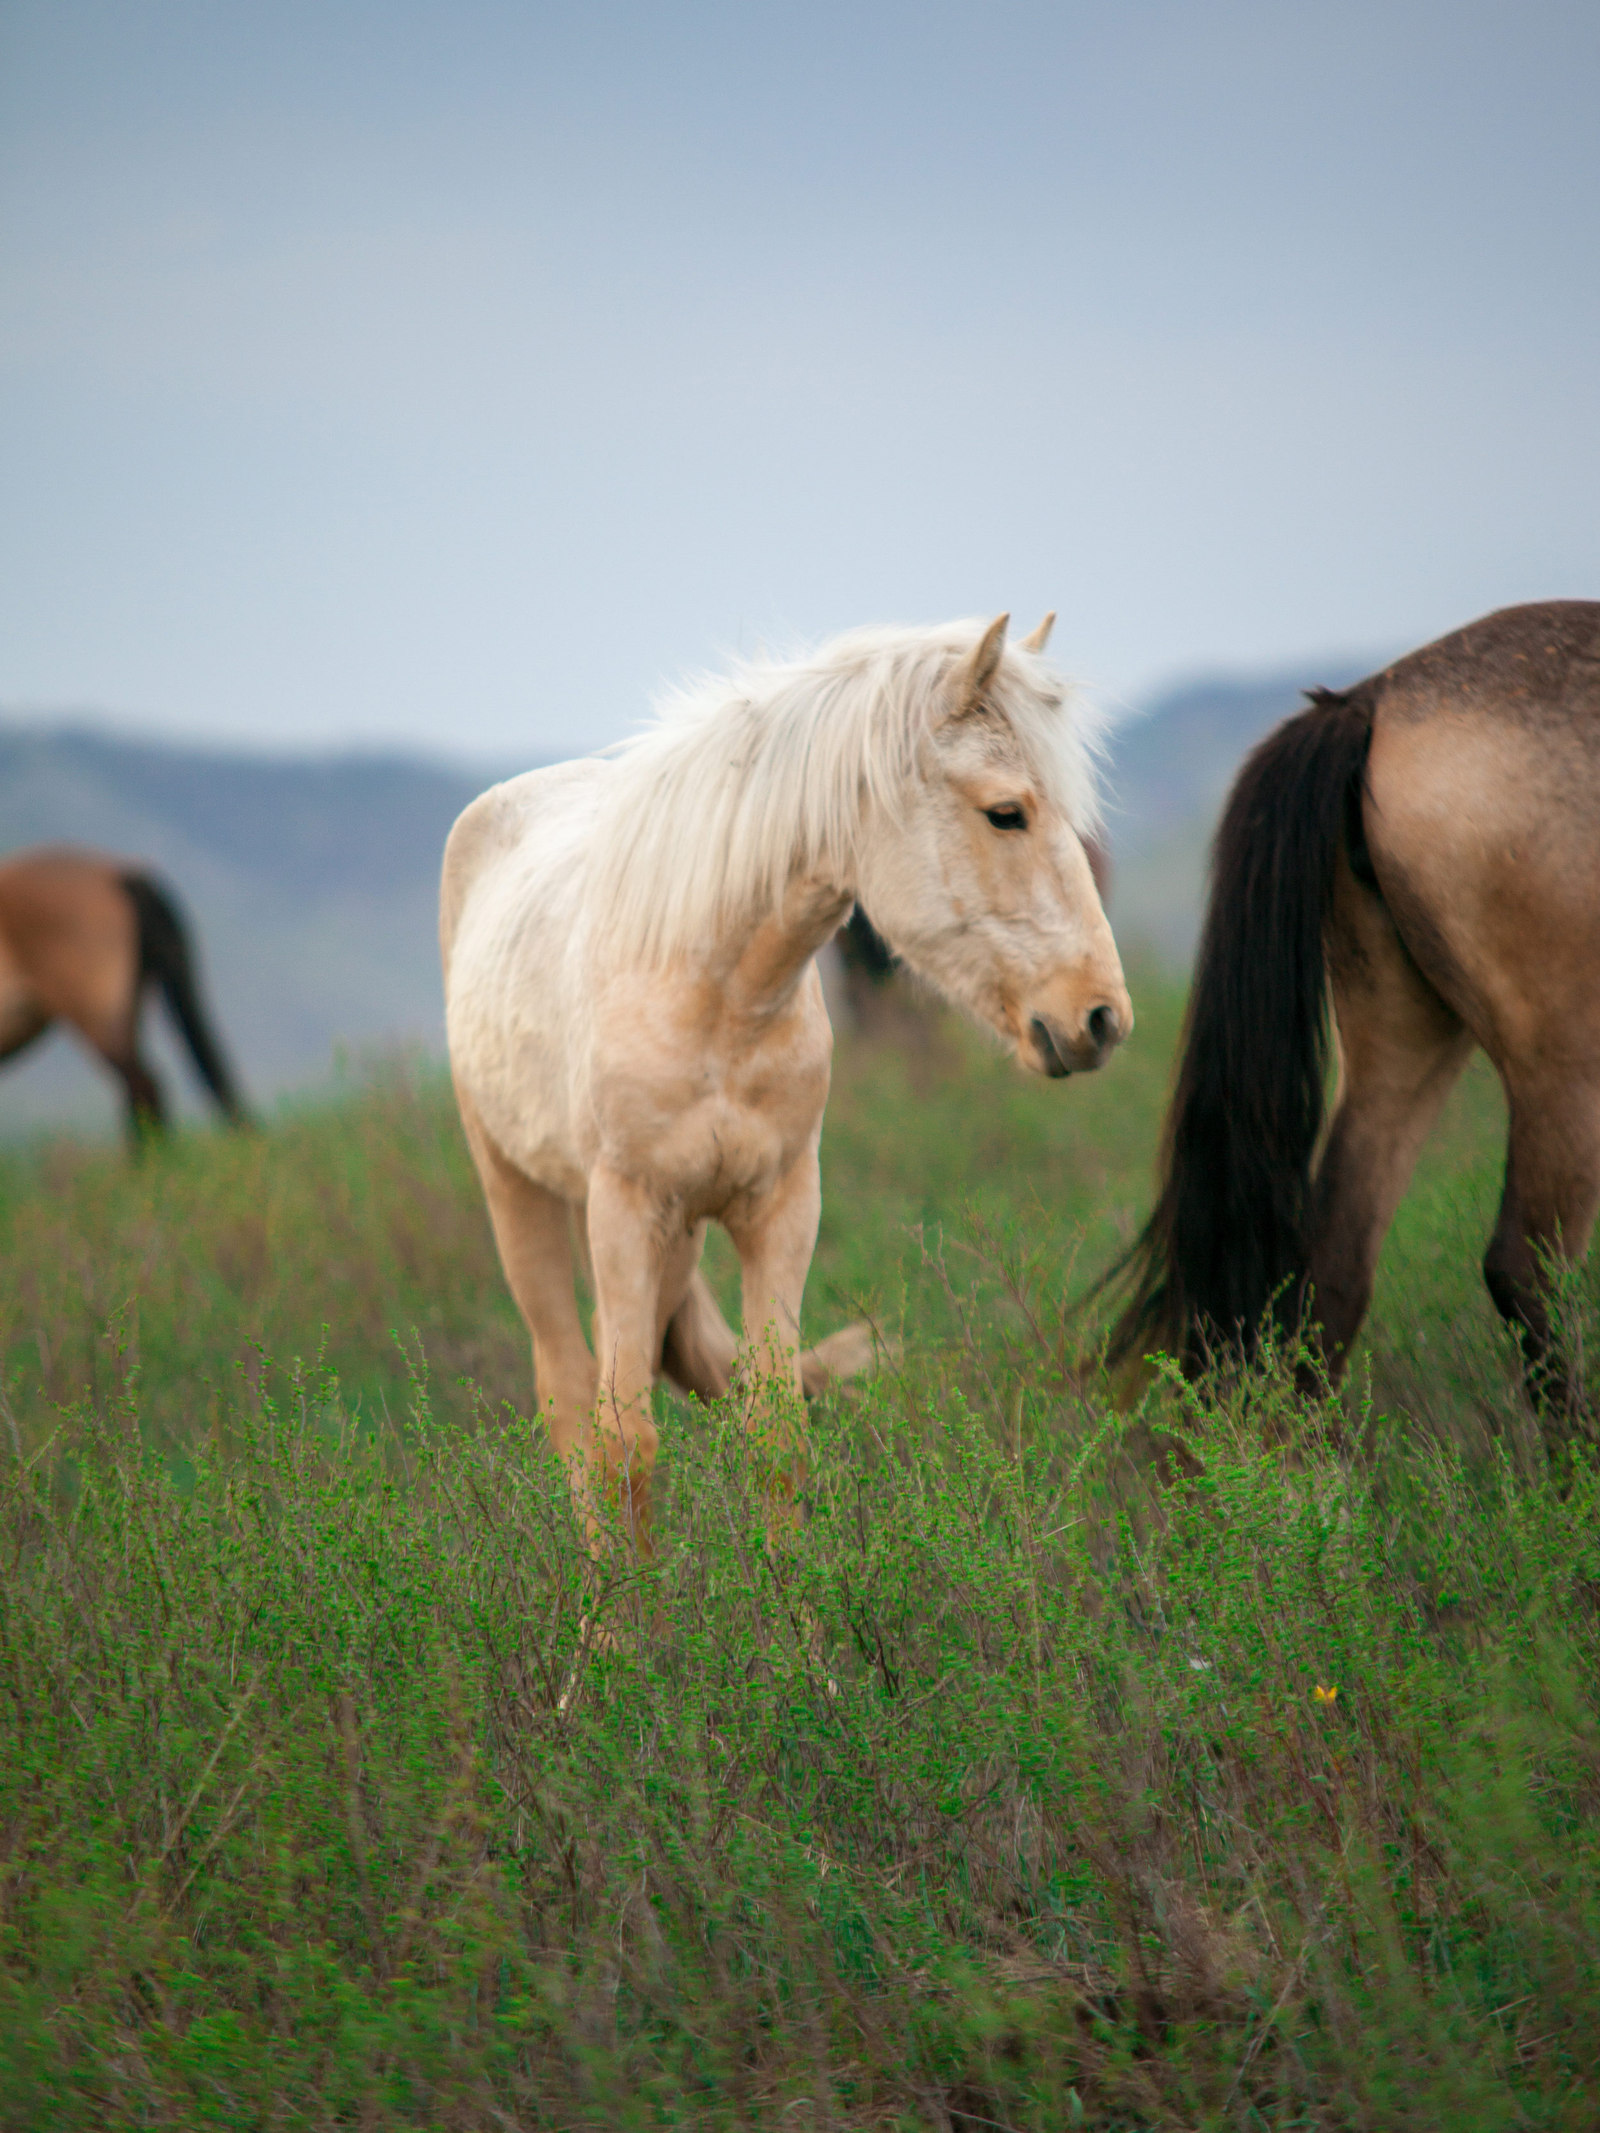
{"x": 1019, "y": 1785}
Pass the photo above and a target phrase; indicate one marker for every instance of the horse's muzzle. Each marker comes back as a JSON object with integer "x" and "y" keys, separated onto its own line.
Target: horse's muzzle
{"x": 1060, "y": 1055}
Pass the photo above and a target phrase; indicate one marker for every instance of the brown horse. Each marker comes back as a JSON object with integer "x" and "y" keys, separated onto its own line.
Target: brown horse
{"x": 81, "y": 937}
{"x": 1426, "y": 847}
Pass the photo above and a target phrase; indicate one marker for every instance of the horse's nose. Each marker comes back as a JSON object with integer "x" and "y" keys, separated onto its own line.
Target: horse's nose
{"x": 1104, "y": 1025}
{"x": 1104, "y": 1028}
{"x": 1052, "y": 1051}
{"x": 1099, "y": 1033}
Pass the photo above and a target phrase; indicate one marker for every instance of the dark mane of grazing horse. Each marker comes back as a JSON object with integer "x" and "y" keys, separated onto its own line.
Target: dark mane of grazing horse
{"x": 1227, "y": 1237}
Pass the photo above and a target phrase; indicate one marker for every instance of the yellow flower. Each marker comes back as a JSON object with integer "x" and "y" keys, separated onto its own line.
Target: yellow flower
{"x": 1322, "y": 1695}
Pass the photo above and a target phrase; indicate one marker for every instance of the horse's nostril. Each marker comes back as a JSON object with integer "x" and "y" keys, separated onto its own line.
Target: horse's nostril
{"x": 1045, "y": 1044}
{"x": 1102, "y": 1026}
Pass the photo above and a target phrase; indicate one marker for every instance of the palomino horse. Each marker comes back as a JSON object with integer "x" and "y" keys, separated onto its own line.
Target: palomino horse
{"x": 81, "y": 936}
{"x": 637, "y": 1028}
{"x": 1427, "y": 846}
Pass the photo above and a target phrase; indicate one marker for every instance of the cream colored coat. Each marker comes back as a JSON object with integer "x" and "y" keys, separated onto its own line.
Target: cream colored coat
{"x": 636, "y": 1022}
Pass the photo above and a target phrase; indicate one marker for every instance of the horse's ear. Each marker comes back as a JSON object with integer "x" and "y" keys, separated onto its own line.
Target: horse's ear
{"x": 976, "y": 672}
{"x": 1036, "y": 640}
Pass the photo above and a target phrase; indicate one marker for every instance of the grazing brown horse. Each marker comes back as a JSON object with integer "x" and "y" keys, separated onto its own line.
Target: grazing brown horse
{"x": 1426, "y": 848}
{"x": 81, "y": 937}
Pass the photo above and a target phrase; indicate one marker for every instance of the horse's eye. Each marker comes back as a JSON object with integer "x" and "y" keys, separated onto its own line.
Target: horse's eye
{"x": 1009, "y": 817}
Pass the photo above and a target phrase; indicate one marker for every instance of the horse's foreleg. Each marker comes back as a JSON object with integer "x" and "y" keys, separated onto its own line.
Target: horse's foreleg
{"x": 532, "y": 1234}
{"x": 775, "y": 1241}
{"x": 1402, "y": 1047}
{"x": 1547, "y": 1212}
{"x": 631, "y": 1247}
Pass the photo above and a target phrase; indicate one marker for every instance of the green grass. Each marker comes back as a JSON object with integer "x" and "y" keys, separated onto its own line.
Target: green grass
{"x": 997, "y": 1792}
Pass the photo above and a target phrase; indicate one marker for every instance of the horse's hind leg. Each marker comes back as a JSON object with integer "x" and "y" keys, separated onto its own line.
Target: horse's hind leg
{"x": 112, "y": 1030}
{"x": 700, "y": 1346}
{"x": 845, "y": 1354}
{"x": 146, "y": 1105}
{"x": 1547, "y": 1212}
{"x": 1401, "y": 1048}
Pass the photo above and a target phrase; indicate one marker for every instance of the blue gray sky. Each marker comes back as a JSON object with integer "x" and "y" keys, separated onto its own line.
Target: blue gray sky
{"x": 452, "y": 373}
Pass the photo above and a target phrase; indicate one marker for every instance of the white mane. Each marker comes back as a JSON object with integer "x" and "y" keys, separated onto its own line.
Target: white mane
{"x": 745, "y": 779}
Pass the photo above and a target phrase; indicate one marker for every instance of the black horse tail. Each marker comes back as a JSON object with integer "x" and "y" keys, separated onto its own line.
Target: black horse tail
{"x": 1226, "y": 1241}
{"x": 165, "y": 958}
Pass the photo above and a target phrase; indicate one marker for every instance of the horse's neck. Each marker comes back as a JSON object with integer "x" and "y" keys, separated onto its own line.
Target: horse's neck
{"x": 759, "y": 967}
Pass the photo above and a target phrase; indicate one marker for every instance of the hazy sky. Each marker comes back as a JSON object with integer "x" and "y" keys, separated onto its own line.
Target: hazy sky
{"x": 451, "y": 373}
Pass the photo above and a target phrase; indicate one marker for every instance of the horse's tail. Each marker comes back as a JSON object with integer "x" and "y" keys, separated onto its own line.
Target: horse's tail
{"x": 165, "y": 958}
{"x": 1226, "y": 1240}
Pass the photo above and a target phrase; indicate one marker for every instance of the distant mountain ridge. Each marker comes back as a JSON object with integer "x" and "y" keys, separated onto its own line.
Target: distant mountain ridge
{"x": 316, "y": 825}
{"x": 312, "y": 882}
